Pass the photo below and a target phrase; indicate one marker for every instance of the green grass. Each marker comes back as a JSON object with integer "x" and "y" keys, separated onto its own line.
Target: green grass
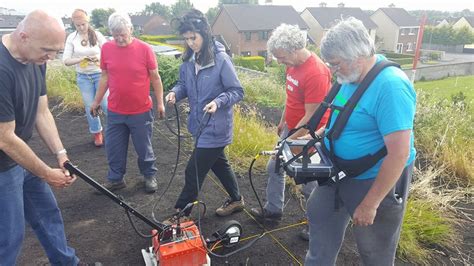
{"x": 61, "y": 84}
{"x": 445, "y": 88}
{"x": 250, "y": 137}
{"x": 444, "y": 129}
{"x": 263, "y": 91}
{"x": 423, "y": 228}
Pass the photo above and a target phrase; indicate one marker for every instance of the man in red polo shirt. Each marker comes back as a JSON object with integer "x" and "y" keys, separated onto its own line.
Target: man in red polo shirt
{"x": 307, "y": 82}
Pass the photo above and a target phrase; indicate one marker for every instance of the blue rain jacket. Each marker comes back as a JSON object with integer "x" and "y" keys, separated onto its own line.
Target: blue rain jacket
{"x": 216, "y": 81}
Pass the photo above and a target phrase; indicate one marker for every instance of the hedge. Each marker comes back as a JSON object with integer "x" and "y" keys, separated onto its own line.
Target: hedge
{"x": 397, "y": 55}
{"x": 251, "y": 62}
{"x": 402, "y": 61}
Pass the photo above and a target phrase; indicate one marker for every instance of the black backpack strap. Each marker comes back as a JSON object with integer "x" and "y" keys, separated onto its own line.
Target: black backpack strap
{"x": 343, "y": 116}
{"x": 327, "y": 103}
{"x": 341, "y": 121}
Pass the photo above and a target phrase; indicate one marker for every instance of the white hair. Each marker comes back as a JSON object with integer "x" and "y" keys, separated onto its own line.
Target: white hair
{"x": 287, "y": 37}
{"x": 349, "y": 40}
{"x": 119, "y": 22}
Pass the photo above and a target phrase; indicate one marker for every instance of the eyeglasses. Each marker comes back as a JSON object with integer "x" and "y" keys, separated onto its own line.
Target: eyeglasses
{"x": 334, "y": 67}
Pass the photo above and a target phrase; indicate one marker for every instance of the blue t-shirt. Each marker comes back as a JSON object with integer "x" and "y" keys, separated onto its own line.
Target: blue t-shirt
{"x": 387, "y": 106}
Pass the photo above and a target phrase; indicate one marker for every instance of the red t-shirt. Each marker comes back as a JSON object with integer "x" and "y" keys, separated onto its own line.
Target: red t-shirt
{"x": 128, "y": 76}
{"x": 306, "y": 83}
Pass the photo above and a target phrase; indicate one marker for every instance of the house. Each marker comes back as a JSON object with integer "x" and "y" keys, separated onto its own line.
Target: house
{"x": 469, "y": 23}
{"x": 464, "y": 22}
{"x": 68, "y": 25}
{"x": 8, "y": 23}
{"x": 151, "y": 25}
{"x": 321, "y": 19}
{"x": 246, "y": 28}
{"x": 396, "y": 29}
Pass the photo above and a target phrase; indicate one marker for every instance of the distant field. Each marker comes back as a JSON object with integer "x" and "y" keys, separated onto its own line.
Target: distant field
{"x": 444, "y": 88}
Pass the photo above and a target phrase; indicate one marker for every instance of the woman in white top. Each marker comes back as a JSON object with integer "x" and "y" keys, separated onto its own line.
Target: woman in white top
{"x": 82, "y": 49}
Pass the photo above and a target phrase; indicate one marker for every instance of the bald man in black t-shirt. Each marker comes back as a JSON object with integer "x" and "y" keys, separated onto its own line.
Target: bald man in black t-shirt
{"x": 24, "y": 191}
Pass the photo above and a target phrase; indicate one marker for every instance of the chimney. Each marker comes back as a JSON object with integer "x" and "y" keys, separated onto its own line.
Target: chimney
{"x": 392, "y": 5}
{"x": 340, "y": 5}
{"x": 323, "y": 4}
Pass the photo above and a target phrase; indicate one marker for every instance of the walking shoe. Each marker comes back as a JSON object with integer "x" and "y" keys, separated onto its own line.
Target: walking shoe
{"x": 230, "y": 207}
{"x": 174, "y": 219}
{"x": 98, "y": 139}
{"x": 151, "y": 185}
{"x": 304, "y": 234}
{"x": 113, "y": 185}
{"x": 267, "y": 216}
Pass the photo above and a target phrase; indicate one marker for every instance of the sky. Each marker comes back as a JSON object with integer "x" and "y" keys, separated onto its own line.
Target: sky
{"x": 65, "y": 7}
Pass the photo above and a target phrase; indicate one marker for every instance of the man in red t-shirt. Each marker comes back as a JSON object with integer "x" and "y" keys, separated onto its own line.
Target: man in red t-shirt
{"x": 128, "y": 66}
{"x": 307, "y": 82}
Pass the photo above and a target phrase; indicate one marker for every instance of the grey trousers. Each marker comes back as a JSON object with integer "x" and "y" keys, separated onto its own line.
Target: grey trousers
{"x": 276, "y": 185}
{"x": 376, "y": 243}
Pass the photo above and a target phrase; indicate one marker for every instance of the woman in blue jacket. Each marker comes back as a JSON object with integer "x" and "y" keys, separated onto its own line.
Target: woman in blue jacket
{"x": 208, "y": 79}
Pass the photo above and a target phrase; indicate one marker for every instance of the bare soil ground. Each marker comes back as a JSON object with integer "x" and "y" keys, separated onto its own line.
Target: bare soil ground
{"x": 99, "y": 229}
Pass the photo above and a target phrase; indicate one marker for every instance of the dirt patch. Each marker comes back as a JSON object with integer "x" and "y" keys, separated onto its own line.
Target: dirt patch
{"x": 99, "y": 230}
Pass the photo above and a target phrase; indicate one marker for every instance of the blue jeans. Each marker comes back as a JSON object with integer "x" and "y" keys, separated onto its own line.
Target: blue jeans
{"x": 119, "y": 130}
{"x": 24, "y": 196}
{"x": 89, "y": 84}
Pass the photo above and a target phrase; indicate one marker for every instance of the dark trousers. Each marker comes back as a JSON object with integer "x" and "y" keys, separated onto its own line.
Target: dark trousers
{"x": 207, "y": 159}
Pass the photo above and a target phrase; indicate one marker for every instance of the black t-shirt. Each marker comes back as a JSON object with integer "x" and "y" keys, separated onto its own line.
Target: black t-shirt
{"x": 21, "y": 85}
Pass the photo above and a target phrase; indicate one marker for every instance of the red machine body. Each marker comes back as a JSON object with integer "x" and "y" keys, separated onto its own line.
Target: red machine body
{"x": 186, "y": 249}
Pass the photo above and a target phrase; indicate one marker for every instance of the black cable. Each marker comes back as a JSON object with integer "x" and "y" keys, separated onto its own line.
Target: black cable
{"x": 170, "y": 128}
{"x": 255, "y": 191}
{"x": 178, "y": 135}
{"x": 136, "y": 229}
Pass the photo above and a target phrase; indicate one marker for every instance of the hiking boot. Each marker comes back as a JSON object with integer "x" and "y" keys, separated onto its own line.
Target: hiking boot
{"x": 230, "y": 207}
{"x": 113, "y": 186}
{"x": 151, "y": 185}
{"x": 98, "y": 139}
{"x": 304, "y": 234}
{"x": 267, "y": 216}
{"x": 174, "y": 219}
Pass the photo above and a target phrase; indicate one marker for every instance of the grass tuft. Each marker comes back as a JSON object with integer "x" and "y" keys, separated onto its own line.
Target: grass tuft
{"x": 250, "y": 137}
{"x": 61, "y": 84}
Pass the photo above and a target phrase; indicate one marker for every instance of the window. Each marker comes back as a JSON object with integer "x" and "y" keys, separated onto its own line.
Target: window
{"x": 409, "y": 47}
{"x": 248, "y": 35}
{"x": 411, "y": 31}
{"x": 263, "y": 35}
{"x": 245, "y": 53}
{"x": 399, "y": 48}
{"x": 402, "y": 31}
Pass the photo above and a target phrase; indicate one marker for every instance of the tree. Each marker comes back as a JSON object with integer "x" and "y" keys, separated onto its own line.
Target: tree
{"x": 447, "y": 35}
{"x": 100, "y": 17}
{"x": 179, "y": 8}
{"x": 157, "y": 8}
{"x": 211, "y": 14}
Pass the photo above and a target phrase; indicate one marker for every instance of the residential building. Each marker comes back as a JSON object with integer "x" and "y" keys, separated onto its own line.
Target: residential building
{"x": 469, "y": 23}
{"x": 246, "y": 28}
{"x": 397, "y": 30}
{"x": 464, "y": 22}
{"x": 321, "y": 19}
{"x": 8, "y": 23}
{"x": 151, "y": 25}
